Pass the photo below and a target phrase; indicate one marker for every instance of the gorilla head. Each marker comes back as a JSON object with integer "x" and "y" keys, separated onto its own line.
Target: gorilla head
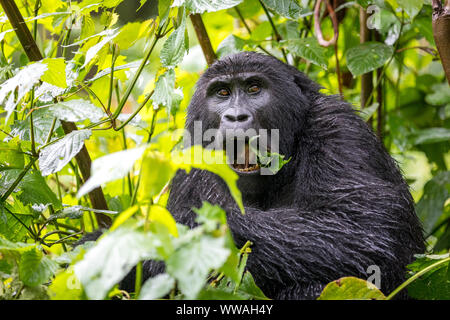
{"x": 250, "y": 94}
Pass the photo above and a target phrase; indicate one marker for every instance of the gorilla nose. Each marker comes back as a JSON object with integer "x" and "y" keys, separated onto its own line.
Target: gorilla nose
{"x": 237, "y": 117}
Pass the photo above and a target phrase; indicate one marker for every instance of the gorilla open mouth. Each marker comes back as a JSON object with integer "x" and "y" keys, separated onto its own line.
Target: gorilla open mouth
{"x": 245, "y": 160}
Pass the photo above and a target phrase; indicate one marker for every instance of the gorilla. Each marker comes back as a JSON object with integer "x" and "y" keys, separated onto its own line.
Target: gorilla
{"x": 337, "y": 207}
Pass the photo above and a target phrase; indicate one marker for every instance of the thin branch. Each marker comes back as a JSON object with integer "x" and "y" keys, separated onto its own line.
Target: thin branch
{"x": 203, "y": 38}
{"x": 317, "y": 27}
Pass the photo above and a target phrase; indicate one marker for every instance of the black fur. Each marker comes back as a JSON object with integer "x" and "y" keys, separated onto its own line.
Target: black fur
{"x": 339, "y": 206}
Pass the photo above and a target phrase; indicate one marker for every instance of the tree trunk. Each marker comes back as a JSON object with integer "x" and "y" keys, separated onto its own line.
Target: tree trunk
{"x": 441, "y": 33}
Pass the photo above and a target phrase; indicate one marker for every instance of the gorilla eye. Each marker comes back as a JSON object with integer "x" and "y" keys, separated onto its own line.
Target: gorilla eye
{"x": 223, "y": 92}
{"x": 253, "y": 89}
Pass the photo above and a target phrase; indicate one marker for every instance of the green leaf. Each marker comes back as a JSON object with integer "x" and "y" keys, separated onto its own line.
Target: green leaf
{"x": 56, "y": 72}
{"x": 213, "y": 161}
{"x": 200, "y": 6}
{"x": 156, "y": 171}
{"x": 309, "y": 49}
{"x": 173, "y": 50}
{"x": 94, "y": 50}
{"x": 433, "y": 285}
{"x": 10, "y": 226}
{"x": 35, "y": 268}
{"x": 164, "y": 89}
{"x": 367, "y": 57}
{"x": 351, "y": 288}
{"x": 286, "y": 8}
{"x": 431, "y": 205}
{"x": 411, "y": 7}
{"x": 157, "y": 287}
{"x": 191, "y": 264}
{"x": 111, "y": 167}
{"x": 55, "y": 156}
{"x": 32, "y": 189}
{"x": 15, "y": 88}
{"x": 42, "y": 124}
{"x": 430, "y": 135}
{"x": 368, "y": 112}
{"x": 65, "y": 286}
{"x": 249, "y": 288}
{"x": 440, "y": 94}
{"x": 11, "y": 156}
{"x": 73, "y": 111}
{"x": 231, "y": 44}
{"x": 209, "y": 216}
{"x": 115, "y": 254}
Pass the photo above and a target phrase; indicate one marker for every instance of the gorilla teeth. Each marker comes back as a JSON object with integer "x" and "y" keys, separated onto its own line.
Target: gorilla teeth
{"x": 245, "y": 160}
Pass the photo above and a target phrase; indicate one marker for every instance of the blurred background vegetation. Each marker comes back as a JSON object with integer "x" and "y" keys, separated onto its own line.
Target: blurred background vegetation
{"x": 385, "y": 60}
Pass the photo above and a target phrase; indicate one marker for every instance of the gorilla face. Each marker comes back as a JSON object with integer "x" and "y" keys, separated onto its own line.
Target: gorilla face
{"x": 256, "y": 104}
{"x": 238, "y": 103}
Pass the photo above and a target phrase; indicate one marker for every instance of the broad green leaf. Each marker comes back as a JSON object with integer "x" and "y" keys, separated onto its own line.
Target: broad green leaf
{"x": 173, "y": 50}
{"x": 55, "y": 156}
{"x": 124, "y": 216}
{"x": 92, "y": 51}
{"x": 35, "y": 268}
{"x": 32, "y": 189}
{"x": 42, "y": 124}
{"x": 430, "y": 135}
{"x": 286, "y": 8}
{"x": 367, "y": 57}
{"x": 368, "y": 112}
{"x": 165, "y": 93}
{"x": 11, "y": 156}
{"x": 200, "y": 6}
{"x": 162, "y": 215}
{"x": 74, "y": 111}
{"x": 156, "y": 171}
{"x": 209, "y": 216}
{"x": 65, "y": 286}
{"x": 309, "y": 49}
{"x": 19, "y": 247}
{"x": 431, "y": 205}
{"x": 191, "y": 264}
{"x": 10, "y": 226}
{"x": 115, "y": 254}
{"x": 433, "y": 285}
{"x": 411, "y": 7}
{"x": 440, "y": 95}
{"x": 56, "y": 72}
{"x": 351, "y": 288}
{"x": 231, "y": 44}
{"x": 249, "y": 288}
{"x": 111, "y": 167}
{"x": 157, "y": 287}
{"x": 15, "y": 88}
{"x": 213, "y": 161}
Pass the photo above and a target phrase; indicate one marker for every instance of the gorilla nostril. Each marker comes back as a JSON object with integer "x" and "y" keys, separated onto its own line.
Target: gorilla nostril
{"x": 242, "y": 117}
{"x": 230, "y": 117}
{"x": 236, "y": 116}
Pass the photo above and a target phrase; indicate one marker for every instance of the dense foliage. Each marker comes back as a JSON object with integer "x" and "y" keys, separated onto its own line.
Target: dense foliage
{"x": 126, "y": 83}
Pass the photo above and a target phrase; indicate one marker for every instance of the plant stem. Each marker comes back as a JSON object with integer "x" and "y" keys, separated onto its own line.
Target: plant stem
{"x": 414, "y": 277}
{"x": 203, "y": 38}
{"x": 135, "y": 78}
{"x": 18, "y": 179}
{"x": 277, "y": 35}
